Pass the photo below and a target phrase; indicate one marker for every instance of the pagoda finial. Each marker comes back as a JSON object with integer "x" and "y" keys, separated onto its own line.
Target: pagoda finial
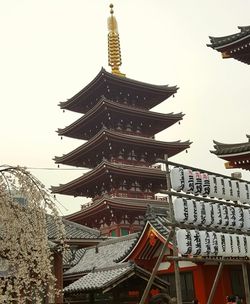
{"x": 114, "y": 51}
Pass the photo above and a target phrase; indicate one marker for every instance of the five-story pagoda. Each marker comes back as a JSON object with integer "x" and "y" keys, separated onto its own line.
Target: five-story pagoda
{"x": 120, "y": 148}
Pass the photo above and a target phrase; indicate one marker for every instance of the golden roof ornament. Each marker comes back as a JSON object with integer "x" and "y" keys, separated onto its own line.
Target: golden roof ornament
{"x": 114, "y": 50}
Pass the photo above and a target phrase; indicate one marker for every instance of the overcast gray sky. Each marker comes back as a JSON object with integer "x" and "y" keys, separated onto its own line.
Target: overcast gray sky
{"x": 51, "y": 49}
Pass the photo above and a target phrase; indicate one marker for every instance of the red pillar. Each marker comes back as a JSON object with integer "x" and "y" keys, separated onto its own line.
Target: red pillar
{"x": 199, "y": 284}
{"x": 118, "y": 230}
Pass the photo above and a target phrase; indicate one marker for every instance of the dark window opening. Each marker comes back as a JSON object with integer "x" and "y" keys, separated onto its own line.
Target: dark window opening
{"x": 187, "y": 286}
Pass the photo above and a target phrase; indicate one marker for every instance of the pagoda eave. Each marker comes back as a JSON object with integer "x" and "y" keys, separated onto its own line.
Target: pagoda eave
{"x": 236, "y": 46}
{"x": 86, "y": 154}
{"x": 231, "y": 150}
{"x": 116, "y": 85}
{"x": 100, "y": 114}
{"x": 237, "y": 154}
{"x": 105, "y": 173}
{"x": 116, "y": 203}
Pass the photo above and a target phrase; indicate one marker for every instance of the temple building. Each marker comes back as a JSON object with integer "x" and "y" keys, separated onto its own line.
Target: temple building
{"x": 237, "y": 155}
{"x": 236, "y": 46}
{"x": 193, "y": 245}
{"x": 120, "y": 148}
{"x": 117, "y": 269}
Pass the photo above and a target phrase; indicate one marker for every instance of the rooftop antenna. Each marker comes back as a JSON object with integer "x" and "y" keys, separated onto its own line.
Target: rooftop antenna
{"x": 114, "y": 50}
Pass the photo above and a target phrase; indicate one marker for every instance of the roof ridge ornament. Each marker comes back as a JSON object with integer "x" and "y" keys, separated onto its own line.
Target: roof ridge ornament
{"x": 114, "y": 50}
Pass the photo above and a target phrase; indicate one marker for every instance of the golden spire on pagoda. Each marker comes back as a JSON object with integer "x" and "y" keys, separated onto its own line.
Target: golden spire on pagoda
{"x": 114, "y": 50}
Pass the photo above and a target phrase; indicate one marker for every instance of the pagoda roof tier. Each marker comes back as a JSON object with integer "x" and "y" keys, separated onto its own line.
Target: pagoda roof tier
{"x": 119, "y": 88}
{"x": 113, "y": 114}
{"x": 235, "y": 46}
{"x": 91, "y": 153}
{"x": 96, "y": 208}
{"x": 107, "y": 176}
{"x": 237, "y": 154}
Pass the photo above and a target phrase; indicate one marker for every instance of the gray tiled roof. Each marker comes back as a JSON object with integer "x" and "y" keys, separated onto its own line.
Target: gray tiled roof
{"x": 98, "y": 279}
{"x": 235, "y": 46}
{"x": 73, "y": 230}
{"x": 70, "y": 259}
{"x": 217, "y": 42}
{"x": 104, "y": 265}
{"x": 104, "y": 254}
{"x": 159, "y": 218}
{"x": 221, "y": 148}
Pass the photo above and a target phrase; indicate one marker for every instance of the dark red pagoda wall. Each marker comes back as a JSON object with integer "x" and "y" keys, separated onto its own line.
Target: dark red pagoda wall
{"x": 120, "y": 229}
{"x": 112, "y": 219}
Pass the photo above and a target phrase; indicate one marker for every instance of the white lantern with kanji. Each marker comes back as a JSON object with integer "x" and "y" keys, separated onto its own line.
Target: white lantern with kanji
{"x": 177, "y": 178}
{"x": 244, "y": 192}
{"x": 231, "y": 216}
{"x": 197, "y": 183}
{"x": 196, "y": 242}
{"x": 228, "y": 189}
{"x": 213, "y": 186}
{"x": 188, "y": 181}
{"x": 236, "y": 190}
{"x": 184, "y": 242}
{"x": 209, "y": 214}
{"x": 205, "y": 184}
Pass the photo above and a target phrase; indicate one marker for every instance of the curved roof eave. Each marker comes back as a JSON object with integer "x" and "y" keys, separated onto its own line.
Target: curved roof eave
{"x": 104, "y": 168}
{"x": 114, "y": 201}
{"x": 124, "y": 81}
{"x": 104, "y": 102}
{"x": 103, "y": 133}
{"x": 225, "y": 41}
{"x": 224, "y": 149}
